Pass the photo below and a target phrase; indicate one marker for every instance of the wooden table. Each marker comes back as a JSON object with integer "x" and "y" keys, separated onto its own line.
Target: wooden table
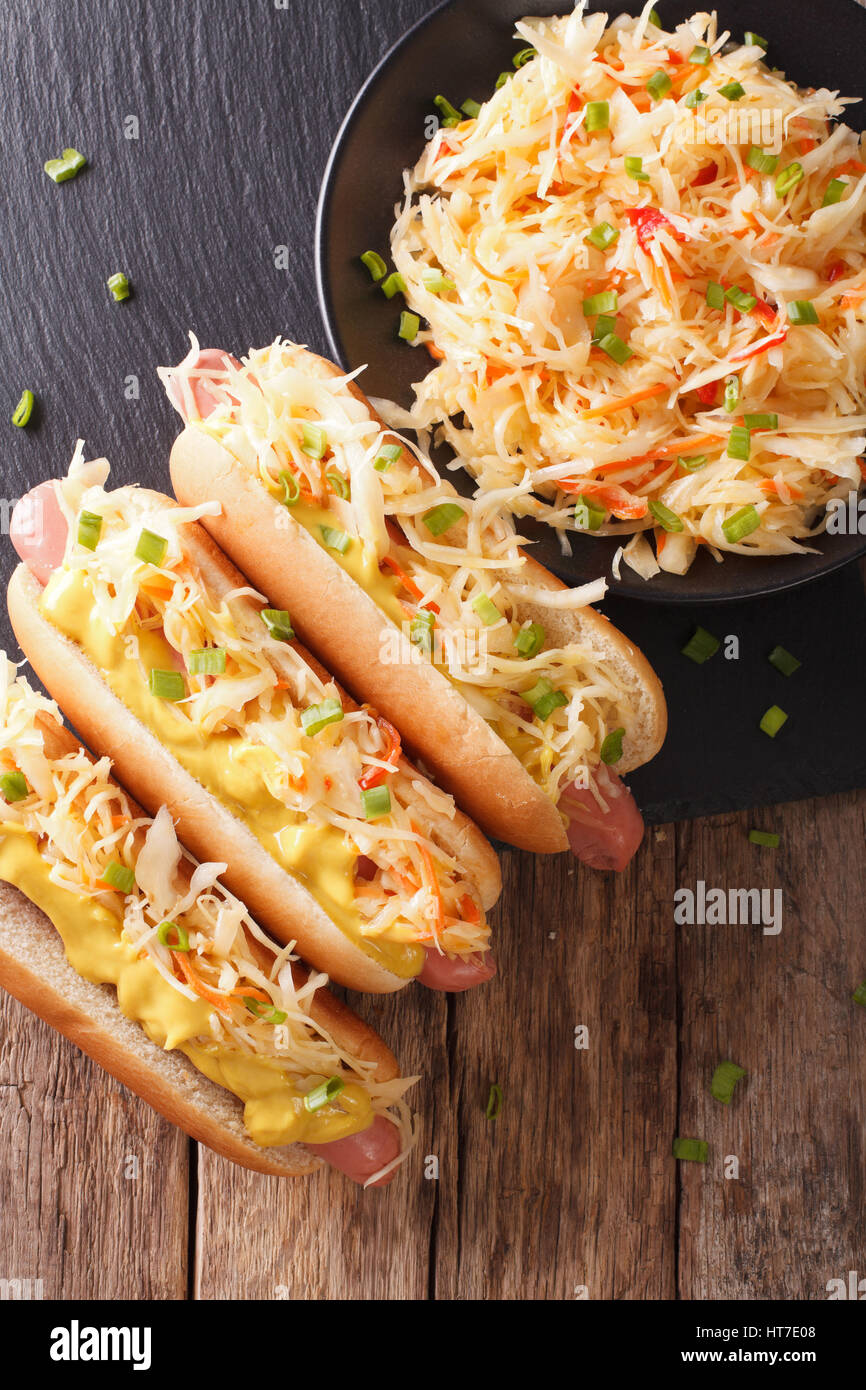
{"x": 572, "y": 1190}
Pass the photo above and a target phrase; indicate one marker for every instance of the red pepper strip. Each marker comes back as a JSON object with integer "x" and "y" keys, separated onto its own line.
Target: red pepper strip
{"x": 407, "y": 583}
{"x": 835, "y": 271}
{"x": 765, "y": 312}
{"x": 708, "y": 174}
{"x": 709, "y": 394}
{"x": 647, "y": 221}
{"x": 748, "y": 353}
{"x": 375, "y": 776}
{"x": 617, "y": 499}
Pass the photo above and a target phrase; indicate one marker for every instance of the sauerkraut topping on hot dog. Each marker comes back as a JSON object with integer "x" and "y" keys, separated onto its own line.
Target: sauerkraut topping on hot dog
{"x": 326, "y": 787}
{"x": 188, "y": 961}
{"x": 447, "y": 567}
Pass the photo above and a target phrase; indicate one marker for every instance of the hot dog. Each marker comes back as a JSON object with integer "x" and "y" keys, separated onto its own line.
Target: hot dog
{"x": 219, "y": 1028}
{"x": 526, "y": 703}
{"x": 167, "y": 662}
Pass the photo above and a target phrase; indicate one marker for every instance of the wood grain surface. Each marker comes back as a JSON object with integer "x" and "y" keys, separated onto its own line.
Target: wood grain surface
{"x": 572, "y": 1191}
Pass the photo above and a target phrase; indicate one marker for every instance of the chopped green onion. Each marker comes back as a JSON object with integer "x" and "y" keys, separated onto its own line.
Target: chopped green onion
{"x": 732, "y": 393}
{"x": 314, "y": 441}
{"x": 89, "y": 530}
{"x": 602, "y": 236}
{"x": 278, "y": 623}
{"x": 725, "y": 1078}
{"x": 615, "y": 348}
{"x": 741, "y": 524}
{"x": 317, "y": 717}
{"x": 502, "y": 79}
{"x": 768, "y": 421}
{"x": 739, "y": 444}
{"x": 440, "y": 519}
{"x": 691, "y": 1150}
{"x": 833, "y": 192}
{"x": 207, "y": 661}
{"x": 376, "y": 266}
{"x": 70, "y": 164}
{"x": 436, "y": 282}
{"x": 653, "y": 18}
{"x": 772, "y": 721}
{"x": 768, "y": 838}
{"x": 802, "y": 311}
{"x": 762, "y": 162}
{"x": 167, "y": 929}
{"x": 525, "y": 56}
{"x": 471, "y": 108}
{"x": 700, "y": 56}
{"x": 529, "y": 640}
{"x": 611, "y": 748}
{"x": 715, "y": 295}
{"x": 733, "y": 91}
{"x": 634, "y": 168}
{"x": 394, "y": 284}
{"x": 859, "y": 995}
{"x": 784, "y": 661}
{"x": 740, "y": 299}
{"x": 335, "y": 540}
{"x": 446, "y": 110}
{"x": 695, "y": 98}
{"x": 268, "y": 1013}
{"x": 13, "y": 786}
{"x": 701, "y": 646}
{"x": 668, "y": 520}
{"x": 494, "y": 1101}
{"x": 486, "y": 610}
{"x": 597, "y": 116}
{"x": 376, "y": 802}
{"x": 119, "y": 876}
{"x": 24, "y": 409}
{"x": 788, "y": 179}
{"x": 755, "y": 40}
{"x": 543, "y": 698}
{"x": 118, "y": 285}
{"x": 166, "y": 685}
{"x": 323, "y": 1094}
{"x": 659, "y": 84}
{"x": 388, "y": 454}
{"x": 605, "y": 324}
{"x": 409, "y": 325}
{"x": 339, "y": 485}
{"x": 151, "y": 548}
{"x": 421, "y": 630}
{"x": 588, "y": 515}
{"x": 601, "y": 303}
{"x": 291, "y": 488}
{"x": 693, "y": 462}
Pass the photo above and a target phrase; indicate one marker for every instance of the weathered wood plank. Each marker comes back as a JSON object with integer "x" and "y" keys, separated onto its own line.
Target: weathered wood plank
{"x": 70, "y": 1215}
{"x": 781, "y": 1007}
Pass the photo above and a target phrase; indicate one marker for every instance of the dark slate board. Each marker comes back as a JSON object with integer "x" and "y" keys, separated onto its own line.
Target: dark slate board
{"x": 238, "y": 103}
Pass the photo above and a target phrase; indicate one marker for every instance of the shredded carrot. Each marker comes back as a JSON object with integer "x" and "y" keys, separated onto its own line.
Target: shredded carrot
{"x": 375, "y": 776}
{"x": 469, "y": 910}
{"x": 428, "y": 870}
{"x": 407, "y": 583}
{"x": 118, "y": 821}
{"x": 610, "y": 407}
{"x": 661, "y": 539}
{"x": 212, "y": 996}
{"x": 618, "y": 500}
{"x": 250, "y": 992}
{"x": 435, "y": 351}
{"x": 770, "y": 488}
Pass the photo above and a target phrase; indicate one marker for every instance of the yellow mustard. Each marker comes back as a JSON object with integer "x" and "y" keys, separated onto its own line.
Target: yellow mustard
{"x": 231, "y": 768}
{"x": 274, "y": 1111}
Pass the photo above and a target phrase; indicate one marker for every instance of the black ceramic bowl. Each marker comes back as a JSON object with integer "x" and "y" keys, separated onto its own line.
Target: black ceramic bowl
{"x": 459, "y": 49}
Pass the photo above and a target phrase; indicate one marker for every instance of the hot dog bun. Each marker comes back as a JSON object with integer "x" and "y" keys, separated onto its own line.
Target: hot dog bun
{"x": 279, "y": 901}
{"x": 345, "y": 625}
{"x": 34, "y": 968}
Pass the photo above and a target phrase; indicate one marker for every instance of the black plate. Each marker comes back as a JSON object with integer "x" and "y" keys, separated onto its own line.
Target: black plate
{"x": 459, "y": 49}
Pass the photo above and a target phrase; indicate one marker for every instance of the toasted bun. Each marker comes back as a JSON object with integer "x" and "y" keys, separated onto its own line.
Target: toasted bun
{"x": 334, "y": 615}
{"x": 34, "y": 968}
